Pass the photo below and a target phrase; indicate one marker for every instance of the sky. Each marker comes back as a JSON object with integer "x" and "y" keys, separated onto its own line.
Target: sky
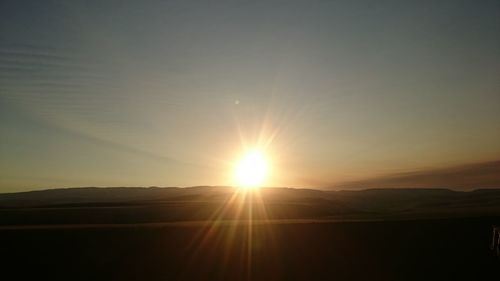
{"x": 170, "y": 93}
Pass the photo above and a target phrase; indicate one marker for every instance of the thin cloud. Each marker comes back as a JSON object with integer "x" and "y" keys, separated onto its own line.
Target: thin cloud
{"x": 466, "y": 177}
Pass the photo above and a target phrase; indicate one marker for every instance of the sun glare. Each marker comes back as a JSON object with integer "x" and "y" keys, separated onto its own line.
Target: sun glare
{"x": 252, "y": 169}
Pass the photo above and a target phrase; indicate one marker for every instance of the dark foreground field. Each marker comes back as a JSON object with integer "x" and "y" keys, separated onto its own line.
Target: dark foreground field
{"x": 216, "y": 233}
{"x": 442, "y": 249}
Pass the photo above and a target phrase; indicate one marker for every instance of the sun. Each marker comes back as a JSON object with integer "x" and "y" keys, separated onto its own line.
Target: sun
{"x": 252, "y": 170}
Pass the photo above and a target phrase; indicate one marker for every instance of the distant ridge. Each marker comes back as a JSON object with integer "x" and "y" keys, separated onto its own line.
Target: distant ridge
{"x": 156, "y": 204}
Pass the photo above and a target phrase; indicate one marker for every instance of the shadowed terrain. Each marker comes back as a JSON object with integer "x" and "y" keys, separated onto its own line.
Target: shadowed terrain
{"x": 157, "y": 205}
{"x": 216, "y": 233}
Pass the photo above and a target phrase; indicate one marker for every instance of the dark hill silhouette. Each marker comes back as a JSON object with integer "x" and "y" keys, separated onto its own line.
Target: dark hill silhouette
{"x": 205, "y": 233}
{"x": 155, "y": 204}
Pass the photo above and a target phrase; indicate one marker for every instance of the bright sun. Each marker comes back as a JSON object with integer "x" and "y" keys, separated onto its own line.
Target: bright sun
{"x": 252, "y": 169}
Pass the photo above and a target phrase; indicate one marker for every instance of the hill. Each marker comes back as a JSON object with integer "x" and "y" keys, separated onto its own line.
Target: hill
{"x": 156, "y": 205}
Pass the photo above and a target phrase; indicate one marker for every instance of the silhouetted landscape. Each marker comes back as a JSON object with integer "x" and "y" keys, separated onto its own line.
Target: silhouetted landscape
{"x": 146, "y": 205}
{"x": 247, "y": 140}
{"x": 206, "y": 233}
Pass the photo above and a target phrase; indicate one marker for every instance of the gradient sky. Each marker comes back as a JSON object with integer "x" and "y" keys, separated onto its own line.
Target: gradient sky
{"x": 165, "y": 93}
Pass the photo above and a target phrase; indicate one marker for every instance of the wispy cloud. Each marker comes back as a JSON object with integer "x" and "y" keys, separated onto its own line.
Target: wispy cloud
{"x": 466, "y": 177}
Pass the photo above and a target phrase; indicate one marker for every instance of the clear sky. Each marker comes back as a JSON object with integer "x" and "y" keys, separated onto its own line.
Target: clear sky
{"x": 166, "y": 93}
